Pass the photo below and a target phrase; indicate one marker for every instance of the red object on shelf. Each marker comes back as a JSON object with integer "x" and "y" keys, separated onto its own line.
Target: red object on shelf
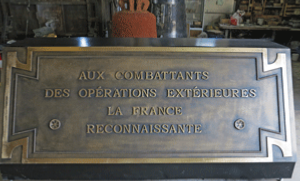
{"x": 233, "y": 21}
{"x": 131, "y": 23}
{"x": 134, "y": 24}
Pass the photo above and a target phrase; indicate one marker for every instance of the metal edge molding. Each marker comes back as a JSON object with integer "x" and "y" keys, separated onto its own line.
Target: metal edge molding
{"x": 13, "y": 62}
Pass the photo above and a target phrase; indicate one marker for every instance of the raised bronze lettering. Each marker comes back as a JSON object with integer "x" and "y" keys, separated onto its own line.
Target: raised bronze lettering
{"x": 90, "y": 128}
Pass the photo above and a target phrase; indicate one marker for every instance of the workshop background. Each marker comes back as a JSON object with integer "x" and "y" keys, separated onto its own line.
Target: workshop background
{"x": 275, "y": 20}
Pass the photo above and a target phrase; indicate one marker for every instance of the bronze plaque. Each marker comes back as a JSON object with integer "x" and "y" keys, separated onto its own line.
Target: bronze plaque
{"x": 146, "y": 105}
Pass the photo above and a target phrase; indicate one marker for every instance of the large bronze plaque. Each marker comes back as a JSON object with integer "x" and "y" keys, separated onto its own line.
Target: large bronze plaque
{"x": 144, "y": 105}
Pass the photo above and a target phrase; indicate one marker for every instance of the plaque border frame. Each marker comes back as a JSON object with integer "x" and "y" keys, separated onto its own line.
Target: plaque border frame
{"x": 13, "y": 62}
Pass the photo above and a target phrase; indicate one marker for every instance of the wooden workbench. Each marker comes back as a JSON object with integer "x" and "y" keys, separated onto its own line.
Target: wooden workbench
{"x": 228, "y": 28}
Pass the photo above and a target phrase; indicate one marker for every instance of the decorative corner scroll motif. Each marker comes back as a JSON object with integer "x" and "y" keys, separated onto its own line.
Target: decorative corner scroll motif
{"x": 8, "y": 148}
{"x": 285, "y": 146}
{"x": 12, "y": 62}
{"x": 15, "y": 63}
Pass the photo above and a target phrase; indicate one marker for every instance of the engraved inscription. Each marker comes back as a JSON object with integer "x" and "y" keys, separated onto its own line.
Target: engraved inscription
{"x": 153, "y": 92}
{"x": 204, "y": 93}
{"x": 116, "y": 112}
{"x": 57, "y": 93}
{"x": 162, "y": 75}
{"x": 91, "y": 75}
{"x": 157, "y": 110}
{"x": 144, "y": 129}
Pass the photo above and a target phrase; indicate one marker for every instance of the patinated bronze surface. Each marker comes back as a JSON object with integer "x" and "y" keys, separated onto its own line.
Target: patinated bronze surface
{"x": 147, "y": 105}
